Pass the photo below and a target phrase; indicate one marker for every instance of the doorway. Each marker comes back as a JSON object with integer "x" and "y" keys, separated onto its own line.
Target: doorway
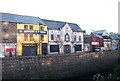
{"x": 29, "y": 50}
{"x": 67, "y": 49}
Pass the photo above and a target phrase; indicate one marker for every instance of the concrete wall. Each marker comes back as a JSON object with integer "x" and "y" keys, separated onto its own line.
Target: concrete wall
{"x": 58, "y": 66}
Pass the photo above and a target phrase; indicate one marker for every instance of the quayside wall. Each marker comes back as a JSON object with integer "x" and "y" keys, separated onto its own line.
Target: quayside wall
{"x": 61, "y": 66}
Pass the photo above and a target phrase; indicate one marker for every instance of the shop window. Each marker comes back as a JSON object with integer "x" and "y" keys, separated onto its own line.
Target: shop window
{"x": 78, "y": 47}
{"x": 54, "y": 48}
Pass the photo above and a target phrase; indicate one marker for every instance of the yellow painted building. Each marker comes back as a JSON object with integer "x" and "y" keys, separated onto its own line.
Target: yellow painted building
{"x": 32, "y": 39}
{"x": 28, "y": 34}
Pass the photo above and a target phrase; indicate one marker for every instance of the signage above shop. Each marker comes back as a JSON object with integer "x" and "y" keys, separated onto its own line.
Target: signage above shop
{"x": 31, "y": 31}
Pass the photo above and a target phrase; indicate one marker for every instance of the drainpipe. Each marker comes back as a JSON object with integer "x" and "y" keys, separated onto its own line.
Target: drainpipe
{"x": 39, "y": 38}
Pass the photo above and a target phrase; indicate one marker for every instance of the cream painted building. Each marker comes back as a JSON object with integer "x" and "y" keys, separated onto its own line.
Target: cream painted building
{"x": 64, "y": 37}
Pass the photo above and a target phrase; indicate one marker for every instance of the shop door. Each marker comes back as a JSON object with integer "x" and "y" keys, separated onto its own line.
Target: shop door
{"x": 44, "y": 48}
{"x": 67, "y": 49}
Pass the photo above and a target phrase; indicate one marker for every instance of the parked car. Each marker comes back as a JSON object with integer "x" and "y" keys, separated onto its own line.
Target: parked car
{"x": 102, "y": 48}
{"x": 97, "y": 49}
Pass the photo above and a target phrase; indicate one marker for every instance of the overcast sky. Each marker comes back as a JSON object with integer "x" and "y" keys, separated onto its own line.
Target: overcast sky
{"x": 88, "y": 14}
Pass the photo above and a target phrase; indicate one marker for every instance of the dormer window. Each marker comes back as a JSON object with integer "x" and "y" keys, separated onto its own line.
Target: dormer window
{"x": 67, "y": 37}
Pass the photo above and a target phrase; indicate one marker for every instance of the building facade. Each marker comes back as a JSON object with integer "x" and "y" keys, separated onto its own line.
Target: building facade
{"x": 8, "y": 38}
{"x": 64, "y": 37}
{"x": 106, "y": 38}
{"x": 26, "y": 35}
{"x": 115, "y": 41}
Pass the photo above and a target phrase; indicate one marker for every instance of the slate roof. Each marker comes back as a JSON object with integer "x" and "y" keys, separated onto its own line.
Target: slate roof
{"x": 114, "y": 36}
{"x": 99, "y": 36}
{"x": 20, "y": 18}
{"x": 53, "y": 24}
{"x": 100, "y": 32}
{"x": 75, "y": 27}
{"x": 58, "y": 24}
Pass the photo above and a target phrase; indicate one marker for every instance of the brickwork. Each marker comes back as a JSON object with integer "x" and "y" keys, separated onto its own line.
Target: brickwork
{"x": 57, "y": 66}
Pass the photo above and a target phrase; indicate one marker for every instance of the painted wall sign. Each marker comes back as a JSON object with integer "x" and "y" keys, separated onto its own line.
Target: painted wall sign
{"x": 31, "y": 31}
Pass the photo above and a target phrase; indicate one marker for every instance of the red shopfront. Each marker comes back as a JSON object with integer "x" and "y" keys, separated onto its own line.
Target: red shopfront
{"x": 9, "y": 51}
{"x": 97, "y": 43}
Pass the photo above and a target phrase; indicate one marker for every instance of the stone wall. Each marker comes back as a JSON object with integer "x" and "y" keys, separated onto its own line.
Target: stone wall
{"x": 58, "y": 66}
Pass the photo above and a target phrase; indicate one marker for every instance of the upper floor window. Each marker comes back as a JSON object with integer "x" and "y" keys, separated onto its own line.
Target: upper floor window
{"x": 75, "y": 38}
{"x": 31, "y": 27}
{"x": 67, "y": 37}
{"x": 25, "y": 37}
{"x": 25, "y": 27}
{"x": 42, "y": 28}
{"x": 52, "y": 37}
{"x": 31, "y": 37}
{"x": 58, "y": 37}
{"x": 42, "y": 37}
{"x": 79, "y": 38}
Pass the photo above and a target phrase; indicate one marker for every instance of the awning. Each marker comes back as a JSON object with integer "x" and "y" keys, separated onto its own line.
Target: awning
{"x": 9, "y": 49}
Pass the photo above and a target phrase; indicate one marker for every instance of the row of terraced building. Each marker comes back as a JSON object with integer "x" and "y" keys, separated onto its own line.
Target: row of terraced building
{"x": 22, "y": 35}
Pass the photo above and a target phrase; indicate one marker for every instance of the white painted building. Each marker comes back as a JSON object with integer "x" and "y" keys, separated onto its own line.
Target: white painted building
{"x": 115, "y": 41}
{"x": 64, "y": 37}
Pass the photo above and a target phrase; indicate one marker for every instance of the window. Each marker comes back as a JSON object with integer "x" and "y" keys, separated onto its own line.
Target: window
{"x": 42, "y": 28}
{"x": 26, "y": 27}
{"x": 78, "y": 47}
{"x": 74, "y": 38}
{"x": 31, "y": 27}
{"x": 31, "y": 37}
{"x": 58, "y": 37}
{"x": 54, "y": 48}
{"x": 79, "y": 38}
{"x": 42, "y": 37}
{"x": 25, "y": 37}
{"x": 52, "y": 37}
{"x": 67, "y": 37}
